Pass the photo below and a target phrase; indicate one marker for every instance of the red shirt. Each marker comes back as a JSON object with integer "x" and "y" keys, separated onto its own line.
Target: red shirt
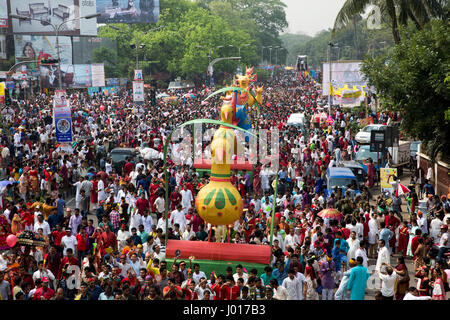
{"x": 232, "y": 293}
{"x": 394, "y": 221}
{"x": 219, "y": 293}
{"x": 82, "y": 243}
{"x": 190, "y": 295}
{"x": 142, "y": 205}
{"x": 127, "y": 168}
{"x": 64, "y": 261}
{"x": 109, "y": 240}
{"x": 57, "y": 235}
{"x": 47, "y": 293}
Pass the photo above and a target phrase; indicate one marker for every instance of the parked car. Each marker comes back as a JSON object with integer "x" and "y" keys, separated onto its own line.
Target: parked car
{"x": 357, "y": 169}
{"x": 363, "y": 136}
{"x": 119, "y": 156}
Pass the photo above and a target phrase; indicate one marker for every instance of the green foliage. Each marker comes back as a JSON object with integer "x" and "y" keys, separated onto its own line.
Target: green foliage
{"x": 108, "y": 57}
{"x": 353, "y": 43}
{"x": 411, "y": 78}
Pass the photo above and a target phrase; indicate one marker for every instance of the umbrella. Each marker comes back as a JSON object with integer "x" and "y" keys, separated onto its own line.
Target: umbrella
{"x": 401, "y": 189}
{"x": 330, "y": 214}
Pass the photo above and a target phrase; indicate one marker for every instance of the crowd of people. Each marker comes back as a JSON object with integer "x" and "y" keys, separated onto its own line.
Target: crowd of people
{"x": 101, "y": 228}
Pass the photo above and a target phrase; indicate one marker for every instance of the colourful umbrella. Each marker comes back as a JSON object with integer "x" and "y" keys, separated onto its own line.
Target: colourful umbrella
{"x": 401, "y": 189}
{"x": 330, "y": 214}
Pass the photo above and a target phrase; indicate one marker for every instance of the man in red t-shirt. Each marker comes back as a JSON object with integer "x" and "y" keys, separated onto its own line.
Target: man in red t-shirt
{"x": 57, "y": 235}
{"x": 44, "y": 292}
{"x": 67, "y": 261}
{"x": 231, "y": 290}
{"x": 171, "y": 288}
{"x": 218, "y": 288}
{"x": 128, "y": 167}
{"x": 109, "y": 240}
{"x": 82, "y": 244}
{"x": 142, "y": 204}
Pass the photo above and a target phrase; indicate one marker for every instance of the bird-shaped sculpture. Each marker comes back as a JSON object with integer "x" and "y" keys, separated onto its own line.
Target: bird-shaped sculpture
{"x": 219, "y": 202}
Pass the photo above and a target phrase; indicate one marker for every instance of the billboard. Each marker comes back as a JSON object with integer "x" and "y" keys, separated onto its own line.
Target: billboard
{"x": 83, "y": 48}
{"x": 128, "y": 11}
{"x": 138, "y": 91}
{"x": 73, "y": 76}
{"x": 62, "y": 117}
{"x": 55, "y": 12}
{"x": 342, "y": 73}
{"x": 29, "y": 47}
{"x": 3, "y": 14}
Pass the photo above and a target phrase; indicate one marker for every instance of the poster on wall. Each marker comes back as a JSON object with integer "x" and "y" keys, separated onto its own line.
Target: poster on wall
{"x": 39, "y": 16}
{"x": 138, "y": 91}
{"x": 387, "y": 178}
{"x": 128, "y": 11}
{"x": 62, "y": 117}
{"x": 29, "y": 48}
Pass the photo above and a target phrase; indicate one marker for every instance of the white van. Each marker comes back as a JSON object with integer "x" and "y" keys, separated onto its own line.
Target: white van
{"x": 296, "y": 119}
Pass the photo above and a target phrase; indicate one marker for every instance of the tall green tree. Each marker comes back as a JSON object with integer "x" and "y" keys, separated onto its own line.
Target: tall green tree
{"x": 396, "y": 12}
{"x": 411, "y": 78}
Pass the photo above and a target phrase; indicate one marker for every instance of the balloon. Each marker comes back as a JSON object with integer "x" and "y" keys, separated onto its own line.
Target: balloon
{"x": 11, "y": 240}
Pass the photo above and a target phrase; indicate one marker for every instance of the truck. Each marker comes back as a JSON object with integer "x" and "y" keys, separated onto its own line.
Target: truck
{"x": 400, "y": 157}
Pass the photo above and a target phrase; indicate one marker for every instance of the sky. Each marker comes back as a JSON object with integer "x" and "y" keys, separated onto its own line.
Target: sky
{"x": 311, "y": 16}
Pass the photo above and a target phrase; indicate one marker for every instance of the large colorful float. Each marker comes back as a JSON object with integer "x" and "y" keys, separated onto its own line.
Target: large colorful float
{"x": 219, "y": 202}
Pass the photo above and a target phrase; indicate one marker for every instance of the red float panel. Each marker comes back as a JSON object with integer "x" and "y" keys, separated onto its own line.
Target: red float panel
{"x": 204, "y": 250}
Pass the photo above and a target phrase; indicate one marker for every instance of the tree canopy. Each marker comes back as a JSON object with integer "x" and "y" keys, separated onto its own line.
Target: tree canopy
{"x": 411, "y": 78}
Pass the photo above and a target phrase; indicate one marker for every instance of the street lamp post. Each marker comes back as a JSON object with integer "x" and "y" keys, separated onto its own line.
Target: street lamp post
{"x": 56, "y": 28}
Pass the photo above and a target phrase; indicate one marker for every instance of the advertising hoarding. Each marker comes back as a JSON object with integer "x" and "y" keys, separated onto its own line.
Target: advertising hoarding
{"x": 73, "y": 76}
{"x": 128, "y": 11}
{"x": 30, "y": 47}
{"x": 342, "y": 73}
{"x": 55, "y": 12}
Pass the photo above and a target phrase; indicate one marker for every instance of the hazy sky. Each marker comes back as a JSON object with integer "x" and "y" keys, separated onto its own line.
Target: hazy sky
{"x": 311, "y": 16}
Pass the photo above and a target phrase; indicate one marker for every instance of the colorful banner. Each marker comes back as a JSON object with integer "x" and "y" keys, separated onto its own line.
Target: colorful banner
{"x": 62, "y": 117}
{"x": 138, "y": 75}
{"x": 138, "y": 91}
{"x": 387, "y": 177}
{"x": 107, "y": 91}
{"x": 128, "y": 11}
{"x": 2, "y": 92}
{"x": 342, "y": 73}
